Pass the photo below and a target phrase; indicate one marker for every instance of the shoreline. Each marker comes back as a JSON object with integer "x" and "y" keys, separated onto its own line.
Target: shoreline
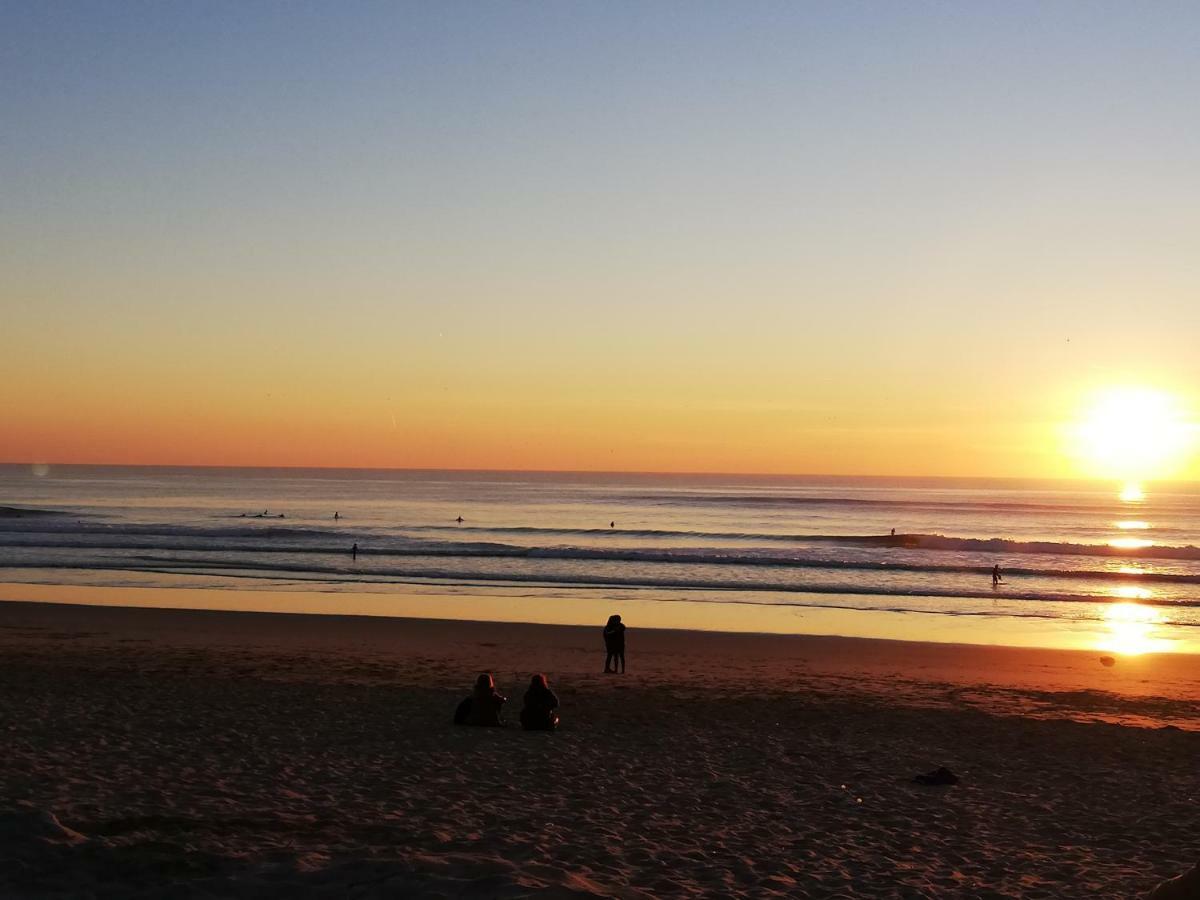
{"x": 1123, "y": 633}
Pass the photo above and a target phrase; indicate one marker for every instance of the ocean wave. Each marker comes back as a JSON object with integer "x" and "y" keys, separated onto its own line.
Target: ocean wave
{"x": 275, "y": 539}
{"x": 324, "y": 538}
{"x": 18, "y": 512}
{"x": 1102, "y": 502}
{"x": 340, "y": 574}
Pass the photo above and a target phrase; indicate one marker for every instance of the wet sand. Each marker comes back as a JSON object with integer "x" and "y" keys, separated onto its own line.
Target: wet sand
{"x": 216, "y": 754}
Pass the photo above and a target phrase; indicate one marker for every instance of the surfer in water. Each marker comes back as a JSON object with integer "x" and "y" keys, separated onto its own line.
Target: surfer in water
{"x": 997, "y": 578}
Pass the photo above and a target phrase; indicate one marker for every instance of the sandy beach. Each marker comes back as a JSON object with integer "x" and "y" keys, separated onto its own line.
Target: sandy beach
{"x": 212, "y": 754}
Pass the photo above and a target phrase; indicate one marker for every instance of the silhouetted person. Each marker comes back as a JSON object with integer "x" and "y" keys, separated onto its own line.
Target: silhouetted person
{"x": 540, "y": 712}
{"x": 612, "y": 524}
{"x": 893, "y": 532}
{"x": 486, "y": 703}
{"x": 336, "y": 516}
{"x": 614, "y": 644}
{"x": 459, "y": 520}
{"x": 996, "y": 578}
{"x": 354, "y": 552}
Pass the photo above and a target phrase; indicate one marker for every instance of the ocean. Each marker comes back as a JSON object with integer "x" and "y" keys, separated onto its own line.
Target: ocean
{"x": 1069, "y": 552}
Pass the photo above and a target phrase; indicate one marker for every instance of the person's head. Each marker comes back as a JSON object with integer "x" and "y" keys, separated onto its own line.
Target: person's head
{"x": 484, "y": 682}
{"x": 614, "y": 620}
{"x": 538, "y": 681}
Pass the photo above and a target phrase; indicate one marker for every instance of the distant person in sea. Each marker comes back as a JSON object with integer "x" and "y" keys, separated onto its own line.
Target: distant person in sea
{"x": 540, "y": 712}
{"x": 354, "y": 552}
{"x": 612, "y": 524}
{"x": 997, "y": 578}
{"x": 336, "y": 516}
{"x": 614, "y": 644}
{"x": 459, "y": 520}
{"x": 483, "y": 706}
{"x": 893, "y": 532}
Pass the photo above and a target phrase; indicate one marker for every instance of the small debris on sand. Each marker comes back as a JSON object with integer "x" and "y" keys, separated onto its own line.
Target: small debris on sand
{"x": 940, "y": 775}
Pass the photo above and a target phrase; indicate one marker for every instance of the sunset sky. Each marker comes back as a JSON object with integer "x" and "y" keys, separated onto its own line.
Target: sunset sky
{"x": 860, "y": 238}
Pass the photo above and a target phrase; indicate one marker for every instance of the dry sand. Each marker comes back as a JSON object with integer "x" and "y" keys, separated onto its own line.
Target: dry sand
{"x": 153, "y": 753}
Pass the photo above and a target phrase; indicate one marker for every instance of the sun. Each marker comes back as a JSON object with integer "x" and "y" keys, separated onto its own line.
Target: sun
{"x": 1133, "y": 434}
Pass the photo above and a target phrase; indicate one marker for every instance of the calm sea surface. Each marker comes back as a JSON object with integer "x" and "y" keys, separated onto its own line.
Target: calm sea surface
{"x": 1068, "y": 551}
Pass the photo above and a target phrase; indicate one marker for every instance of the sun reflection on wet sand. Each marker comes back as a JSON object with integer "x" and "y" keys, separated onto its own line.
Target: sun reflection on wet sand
{"x": 1132, "y": 630}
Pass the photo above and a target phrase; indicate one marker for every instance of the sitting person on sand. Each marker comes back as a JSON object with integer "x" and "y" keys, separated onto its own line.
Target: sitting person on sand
{"x": 540, "y": 712}
{"x": 614, "y": 644}
{"x": 483, "y": 706}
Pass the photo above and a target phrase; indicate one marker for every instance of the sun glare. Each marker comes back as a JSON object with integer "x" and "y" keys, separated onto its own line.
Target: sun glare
{"x": 1132, "y": 629}
{"x": 1133, "y": 433}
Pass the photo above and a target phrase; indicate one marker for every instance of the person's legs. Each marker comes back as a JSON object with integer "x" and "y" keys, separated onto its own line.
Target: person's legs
{"x": 621, "y": 656}
{"x": 610, "y": 661}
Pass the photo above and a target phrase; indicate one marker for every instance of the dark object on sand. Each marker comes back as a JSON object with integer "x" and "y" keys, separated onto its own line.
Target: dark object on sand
{"x": 1182, "y": 887}
{"x": 940, "y": 775}
{"x": 1107, "y": 661}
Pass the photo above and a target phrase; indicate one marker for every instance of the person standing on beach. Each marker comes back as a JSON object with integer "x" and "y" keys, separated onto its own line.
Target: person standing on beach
{"x": 996, "y": 577}
{"x": 614, "y": 644}
{"x": 354, "y": 552}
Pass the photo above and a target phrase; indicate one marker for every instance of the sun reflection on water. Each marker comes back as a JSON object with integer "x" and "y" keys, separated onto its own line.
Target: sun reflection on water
{"x": 1133, "y": 525}
{"x": 1129, "y": 592}
{"x": 1132, "y": 493}
{"x": 1132, "y": 629}
{"x": 1130, "y": 543}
